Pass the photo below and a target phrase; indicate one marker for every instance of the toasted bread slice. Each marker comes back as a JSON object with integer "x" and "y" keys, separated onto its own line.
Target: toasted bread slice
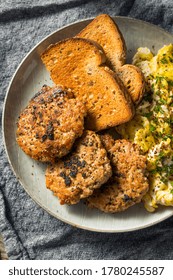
{"x": 105, "y": 32}
{"x": 133, "y": 80}
{"x": 78, "y": 64}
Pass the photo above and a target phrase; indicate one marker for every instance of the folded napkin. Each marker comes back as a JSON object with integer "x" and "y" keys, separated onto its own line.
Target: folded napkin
{"x": 29, "y": 232}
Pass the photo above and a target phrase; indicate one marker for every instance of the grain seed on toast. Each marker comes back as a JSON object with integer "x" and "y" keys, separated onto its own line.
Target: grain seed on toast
{"x": 106, "y": 33}
{"x": 79, "y": 64}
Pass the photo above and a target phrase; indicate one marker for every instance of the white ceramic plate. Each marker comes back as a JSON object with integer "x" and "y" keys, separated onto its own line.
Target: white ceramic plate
{"x": 28, "y": 79}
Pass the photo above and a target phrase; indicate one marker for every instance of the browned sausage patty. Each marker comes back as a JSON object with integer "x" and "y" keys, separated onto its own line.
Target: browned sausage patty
{"x": 49, "y": 125}
{"x": 128, "y": 184}
{"x": 80, "y": 172}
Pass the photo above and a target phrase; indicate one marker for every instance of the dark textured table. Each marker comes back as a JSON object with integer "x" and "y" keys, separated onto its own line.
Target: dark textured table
{"x": 28, "y": 231}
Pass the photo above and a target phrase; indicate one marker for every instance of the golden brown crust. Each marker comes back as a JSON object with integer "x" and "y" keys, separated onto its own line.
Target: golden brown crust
{"x": 128, "y": 184}
{"x": 107, "y": 141}
{"x": 133, "y": 80}
{"x": 105, "y": 32}
{"x": 78, "y": 63}
{"x": 49, "y": 125}
{"x": 80, "y": 172}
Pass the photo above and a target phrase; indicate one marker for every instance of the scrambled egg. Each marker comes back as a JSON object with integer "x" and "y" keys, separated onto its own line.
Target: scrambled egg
{"x": 152, "y": 126}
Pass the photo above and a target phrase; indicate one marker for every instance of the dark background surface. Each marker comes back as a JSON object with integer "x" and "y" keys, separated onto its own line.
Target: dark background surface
{"x": 28, "y": 231}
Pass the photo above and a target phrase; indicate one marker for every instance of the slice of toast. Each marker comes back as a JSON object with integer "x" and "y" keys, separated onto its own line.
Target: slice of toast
{"x": 105, "y": 32}
{"x": 78, "y": 64}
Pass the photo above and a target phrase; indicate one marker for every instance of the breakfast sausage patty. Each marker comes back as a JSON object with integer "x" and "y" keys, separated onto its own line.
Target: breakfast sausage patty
{"x": 128, "y": 184}
{"x": 49, "y": 125}
{"x": 77, "y": 175}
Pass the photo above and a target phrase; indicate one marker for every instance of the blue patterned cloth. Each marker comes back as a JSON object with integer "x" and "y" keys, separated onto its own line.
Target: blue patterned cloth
{"x": 28, "y": 231}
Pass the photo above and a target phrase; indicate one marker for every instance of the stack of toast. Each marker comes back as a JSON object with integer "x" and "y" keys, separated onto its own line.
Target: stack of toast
{"x": 93, "y": 65}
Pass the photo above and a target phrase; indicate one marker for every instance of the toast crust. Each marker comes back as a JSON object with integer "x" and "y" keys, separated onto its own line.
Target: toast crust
{"x": 78, "y": 64}
{"x": 133, "y": 79}
{"x": 105, "y": 32}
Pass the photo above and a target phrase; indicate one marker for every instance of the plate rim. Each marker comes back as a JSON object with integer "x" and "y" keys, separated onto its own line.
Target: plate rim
{"x": 6, "y": 149}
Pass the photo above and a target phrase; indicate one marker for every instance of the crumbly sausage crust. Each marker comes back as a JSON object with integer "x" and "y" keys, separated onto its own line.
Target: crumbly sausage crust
{"x": 80, "y": 172}
{"x": 128, "y": 184}
{"x": 49, "y": 125}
